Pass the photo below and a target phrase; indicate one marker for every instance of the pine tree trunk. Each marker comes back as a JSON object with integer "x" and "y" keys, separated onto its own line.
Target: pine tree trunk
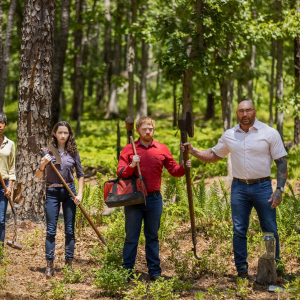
{"x": 34, "y": 107}
{"x": 59, "y": 60}
{"x": 273, "y": 54}
{"x": 6, "y": 50}
{"x": 78, "y": 74}
{"x": 279, "y": 76}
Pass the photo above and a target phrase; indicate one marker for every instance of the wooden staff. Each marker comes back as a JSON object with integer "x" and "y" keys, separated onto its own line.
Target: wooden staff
{"x": 8, "y": 198}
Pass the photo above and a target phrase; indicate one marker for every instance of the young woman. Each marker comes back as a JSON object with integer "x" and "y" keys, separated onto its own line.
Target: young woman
{"x": 7, "y": 169}
{"x": 63, "y": 140}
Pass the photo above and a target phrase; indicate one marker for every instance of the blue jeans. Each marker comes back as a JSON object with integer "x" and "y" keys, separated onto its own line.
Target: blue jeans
{"x": 3, "y": 209}
{"x": 243, "y": 198}
{"x": 54, "y": 196}
{"x": 134, "y": 216}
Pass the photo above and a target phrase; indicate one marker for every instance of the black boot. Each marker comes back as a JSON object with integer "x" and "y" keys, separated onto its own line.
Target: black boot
{"x": 49, "y": 269}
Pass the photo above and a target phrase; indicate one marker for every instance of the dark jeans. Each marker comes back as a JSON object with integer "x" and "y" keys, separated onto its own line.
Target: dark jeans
{"x": 134, "y": 216}
{"x": 3, "y": 209}
{"x": 243, "y": 198}
{"x": 55, "y": 196}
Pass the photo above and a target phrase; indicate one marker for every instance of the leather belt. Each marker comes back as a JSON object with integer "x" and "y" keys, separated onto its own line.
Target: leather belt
{"x": 253, "y": 181}
{"x": 49, "y": 184}
{"x": 149, "y": 194}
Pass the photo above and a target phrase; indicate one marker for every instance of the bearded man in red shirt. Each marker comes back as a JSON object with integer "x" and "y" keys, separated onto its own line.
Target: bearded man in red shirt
{"x": 152, "y": 156}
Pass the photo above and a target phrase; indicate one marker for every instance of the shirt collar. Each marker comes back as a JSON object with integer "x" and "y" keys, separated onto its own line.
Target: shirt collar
{"x": 256, "y": 125}
{"x": 153, "y": 144}
{"x": 5, "y": 141}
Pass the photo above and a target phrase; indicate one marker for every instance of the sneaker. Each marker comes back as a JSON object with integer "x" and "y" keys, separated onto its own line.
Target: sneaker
{"x": 154, "y": 277}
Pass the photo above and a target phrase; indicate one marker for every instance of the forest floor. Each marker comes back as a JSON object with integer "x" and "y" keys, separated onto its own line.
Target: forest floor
{"x": 25, "y": 270}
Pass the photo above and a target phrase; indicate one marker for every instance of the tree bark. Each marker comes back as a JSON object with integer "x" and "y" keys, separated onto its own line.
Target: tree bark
{"x": 142, "y": 105}
{"x": 6, "y": 51}
{"x": 174, "y": 104}
{"x": 251, "y": 71}
{"x": 273, "y": 54}
{"x": 279, "y": 76}
{"x": 78, "y": 74}
{"x": 210, "y": 107}
{"x": 34, "y": 107}
{"x": 130, "y": 61}
{"x": 226, "y": 86}
{"x": 297, "y": 82}
{"x": 60, "y": 48}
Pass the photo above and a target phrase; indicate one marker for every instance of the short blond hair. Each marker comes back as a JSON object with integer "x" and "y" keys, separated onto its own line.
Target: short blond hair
{"x": 144, "y": 120}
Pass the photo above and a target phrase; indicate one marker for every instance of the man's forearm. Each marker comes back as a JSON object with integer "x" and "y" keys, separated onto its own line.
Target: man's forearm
{"x": 282, "y": 173}
{"x": 205, "y": 155}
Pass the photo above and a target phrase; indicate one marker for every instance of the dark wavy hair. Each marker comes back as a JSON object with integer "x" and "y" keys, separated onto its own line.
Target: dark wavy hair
{"x": 70, "y": 146}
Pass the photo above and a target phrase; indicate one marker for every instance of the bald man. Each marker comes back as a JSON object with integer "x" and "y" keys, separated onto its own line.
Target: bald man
{"x": 253, "y": 146}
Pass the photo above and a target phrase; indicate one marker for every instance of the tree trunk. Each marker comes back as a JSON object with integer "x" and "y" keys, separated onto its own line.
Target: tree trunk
{"x": 240, "y": 90}
{"x": 6, "y": 51}
{"x": 59, "y": 56}
{"x": 251, "y": 71}
{"x": 78, "y": 74}
{"x": 131, "y": 60}
{"x": 210, "y": 107}
{"x": 226, "y": 102}
{"x": 174, "y": 104}
{"x": 273, "y": 54}
{"x": 279, "y": 76}
{"x": 34, "y": 107}
{"x": 142, "y": 107}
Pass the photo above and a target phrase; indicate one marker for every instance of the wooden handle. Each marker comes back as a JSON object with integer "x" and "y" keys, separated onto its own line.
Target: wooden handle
{"x": 80, "y": 206}
{"x": 8, "y": 198}
{"x": 135, "y": 153}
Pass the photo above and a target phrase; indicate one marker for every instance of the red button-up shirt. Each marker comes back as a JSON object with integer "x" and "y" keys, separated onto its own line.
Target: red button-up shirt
{"x": 153, "y": 159}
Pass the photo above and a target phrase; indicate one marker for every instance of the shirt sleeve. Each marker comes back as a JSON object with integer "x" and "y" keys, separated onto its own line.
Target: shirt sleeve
{"x": 78, "y": 166}
{"x": 11, "y": 163}
{"x": 172, "y": 166}
{"x": 221, "y": 149}
{"x": 277, "y": 149}
{"x": 124, "y": 162}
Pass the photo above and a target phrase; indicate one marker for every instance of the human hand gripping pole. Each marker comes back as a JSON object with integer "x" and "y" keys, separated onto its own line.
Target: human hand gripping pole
{"x": 34, "y": 148}
{"x": 138, "y": 167}
{"x": 186, "y": 128}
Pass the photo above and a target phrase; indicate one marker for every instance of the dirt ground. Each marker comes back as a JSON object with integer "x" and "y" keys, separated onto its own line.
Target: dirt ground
{"x": 25, "y": 277}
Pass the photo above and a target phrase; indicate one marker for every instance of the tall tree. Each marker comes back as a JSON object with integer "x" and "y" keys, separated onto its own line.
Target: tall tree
{"x": 78, "y": 72}
{"x": 131, "y": 60}
{"x": 297, "y": 81}
{"x": 6, "y": 50}
{"x": 273, "y": 54}
{"x": 60, "y": 47}
{"x": 279, "y": 74}
{"x": 34, "y": 107}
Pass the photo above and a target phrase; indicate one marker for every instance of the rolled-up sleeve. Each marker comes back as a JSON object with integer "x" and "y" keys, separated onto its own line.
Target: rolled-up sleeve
{"x": 11, "y": 163}
{"x": 78, "y": 166}
{"x": 221, "y": 149}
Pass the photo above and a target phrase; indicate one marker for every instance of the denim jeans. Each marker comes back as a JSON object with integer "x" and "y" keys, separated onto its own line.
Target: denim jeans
{"x": 3, "y": 209}
{"x": 134, "y": 216}
{"x": 243, "y": 198}
{"x": 55, "y": 196}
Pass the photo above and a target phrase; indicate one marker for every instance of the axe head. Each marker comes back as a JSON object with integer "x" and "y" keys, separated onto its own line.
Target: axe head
{"x": 129, "y": 123}
{"x": 187, "y": 124}
{"x": 55, "y": 153}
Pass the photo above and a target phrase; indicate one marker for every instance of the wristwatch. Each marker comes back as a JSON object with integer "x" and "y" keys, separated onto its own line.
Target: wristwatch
{"x": 280, "y": 188}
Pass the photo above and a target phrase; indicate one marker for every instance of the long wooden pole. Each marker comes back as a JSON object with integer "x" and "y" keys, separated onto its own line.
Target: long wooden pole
{"x": 80, "y": 206}
{"x": 8, "y": 198}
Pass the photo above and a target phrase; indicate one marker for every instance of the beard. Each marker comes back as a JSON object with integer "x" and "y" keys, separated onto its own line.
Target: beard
{"x": 146, "y": 138}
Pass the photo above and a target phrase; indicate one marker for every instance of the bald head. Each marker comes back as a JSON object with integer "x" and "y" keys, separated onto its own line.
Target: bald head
{"x": 245, "y": 103}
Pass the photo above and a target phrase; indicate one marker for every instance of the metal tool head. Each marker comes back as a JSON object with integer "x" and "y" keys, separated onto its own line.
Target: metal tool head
{"x": 187, "y": 124}
{"x": 55, "y": 153}
{"x": 32, "y": 144}
{"x": 129, "y": 123}
{"x": 14, "y": 244}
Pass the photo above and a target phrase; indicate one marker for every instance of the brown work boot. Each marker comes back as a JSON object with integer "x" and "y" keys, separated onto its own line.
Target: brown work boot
{"x": 68, "y": 264}
{"x": 49, "y": 269}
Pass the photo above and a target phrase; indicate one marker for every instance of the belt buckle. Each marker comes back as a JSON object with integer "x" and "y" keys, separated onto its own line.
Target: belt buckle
{"x": 248, "y": 181}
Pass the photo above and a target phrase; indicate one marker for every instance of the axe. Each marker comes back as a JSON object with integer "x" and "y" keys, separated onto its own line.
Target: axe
{"x": 36, "y": 150}
{"x": 186, "y": 127}
{"x": 13, "y": 243}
